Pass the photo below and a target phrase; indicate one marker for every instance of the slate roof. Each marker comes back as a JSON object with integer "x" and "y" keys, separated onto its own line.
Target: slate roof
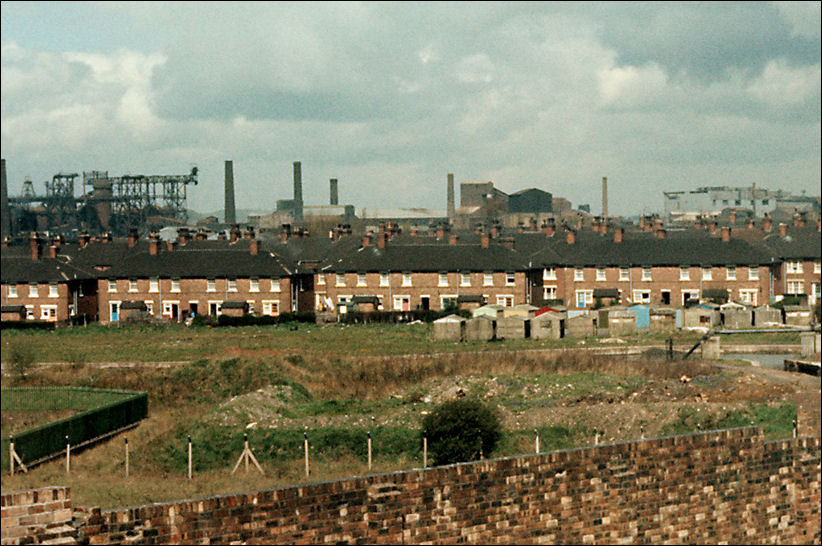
{"x": 22, "y": 269}
{"x": 800, "y": 242}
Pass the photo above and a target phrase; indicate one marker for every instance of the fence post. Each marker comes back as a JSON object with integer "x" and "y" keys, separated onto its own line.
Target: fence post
{"x": 794, "y": 428}
{"x": 305, "y": 445}
{"x": 369, "y": 450}
{"x": 126, "y": 442}
{"x": 642, "y": 432}
{"x": 596, "y": 437}
{"x": 68, "y": 455}
{"x": 536, "y": 446}
{"x": 11, "y": 454}
{"x": 425, "y": 452}
{"x": 189, "y": 457}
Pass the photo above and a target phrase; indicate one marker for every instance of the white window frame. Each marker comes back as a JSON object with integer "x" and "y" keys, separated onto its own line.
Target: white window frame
{"x": 154, "y": 285}
{"x": 385, "y": 279}
{"x": 321, "y": 279}
{"x": 549, "y": 292}
{"x": 149, "y": 307}
{"x": 793, "y": 267}
{"x": 684, "y": 273}
{"x": 549, "y": 274}
{"x": 339, "y": 281}
{"x": 748, "y": 295}
{"x": 48, "y": 313}
{"x": 271, "y": 308}
{"x": 445, "y": 297}
{"x": 211, "y": 285}
{"x": 53, "y": 290}
{"x": 465, "y": 279}
{"x": 505, "y": 300}
{"x": 647, "y": 274}
{"x": 707, "y": 273}
{"x": 753, "y": 273}
{"x": 406, "y": 279}
{"x": 442, "y": 279}
{"x": 794, "y": 286}
{"x": 175, "y": 285}
{"x": 29, "y": 312}
{"x": 397, "y": 299}
{"x": 601, "y": 274}
{"x": 624, "y": 273}
{"x": 730, "y": 272}
{"x": 817, "y": 267}
{"x": 217, "y": 305}
{"x": 232, "y": 285}
{"x": 275, "y": 285}
{"x": 579, "y": 274}
{"x": 12, "y": 291}
{"x": 510, "y": 278}
{"x": 253, "y": 285}
{"x": 167, "y": 307}
{"x": 132, "y": 285}
{"x": 642, "y": 295}
{"x": 362, "y": 279}
{"x": 693, "y": 292}
{"x": 584, "y": 296}
{"x": 488, "y": 278}
{"x": 112, "y": 286}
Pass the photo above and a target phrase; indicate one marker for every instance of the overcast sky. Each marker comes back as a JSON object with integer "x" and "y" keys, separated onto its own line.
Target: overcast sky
{"x": 390, "y": 98}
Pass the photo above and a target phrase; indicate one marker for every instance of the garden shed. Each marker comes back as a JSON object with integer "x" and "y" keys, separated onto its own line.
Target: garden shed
{"x": 550, "y": 325}
{"x": 480, "y": 328}
{"x": 765, "y": 315}
{"x": 450, "y": 328}
{"x": 514, "y": 328}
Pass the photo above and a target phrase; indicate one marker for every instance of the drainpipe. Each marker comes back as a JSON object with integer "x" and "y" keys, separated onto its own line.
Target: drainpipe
{"x": 631, "y": 283}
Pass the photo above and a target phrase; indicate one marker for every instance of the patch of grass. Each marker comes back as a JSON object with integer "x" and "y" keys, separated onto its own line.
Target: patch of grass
{"x": 776, "y": 421}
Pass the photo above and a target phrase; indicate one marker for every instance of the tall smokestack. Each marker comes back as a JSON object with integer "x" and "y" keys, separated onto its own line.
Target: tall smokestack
{"x": 333, "y": 187}
{"x": 4, "y": 207}
{"x": 230, "y": 211}
{"x": 451, "y": 211}
{"x": 298, "y": 192}
{"x": 605, "y": 197}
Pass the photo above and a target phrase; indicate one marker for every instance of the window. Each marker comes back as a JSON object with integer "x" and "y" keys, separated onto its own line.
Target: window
{"x": 29, "y": 312}
{"x": 748, "y": 296}
{"x": 707, "y": 273}
{"x": 53, "y": 290}
{"x": 406, "y": 279}
{"x": 753, "y": 273}
{"x": 549, "y": 274}
{"x": 12, "y": 290}
{"x": 506, "y": 300}
{"x": 600, "y": 273}
{"x": 446, "y": 302}
{"x": 33, "y": 292}
{"x": 211, "y": 285}
{"x": 646, "y": 273}
{"x": 171, "y": 308}
{"x": 487, "y": 279}
{"x": 274, "y": 285}
{"x": 623, "y": 274}
{"x": 48, "y": 312}
{"x": 154, "y": 285}
{"x": 684, "y": 273}
{"x": 340, "y": 281}
{"x": 641, "y": 296}
{"x": 385, "y": 279}
{"x": 584, "y": 297}
{"x": 215, "y": 308}
{"x": 549, "y": 292}
{"x": 730, "y": 273}
{"x": 795, "y": 287}
{"x": 794, "y": 267}
{"x": 442, "y": 279}
{"x": 401, "y": 303}
{"x": 132, "y": 285}
{"x": 175, "y": 285}
{"x": 579, "y": 274}
{"x": 271, "y": 308}
{"x": 690, "y": 295}
{"x": 112, "y": 285}
{"x": 510, "y": 278}
{"x": 321, "y": 278}
{"x": 817, "y": 267}
{"x": 253, "y": 285}
{"x": 149, "y": 307}
{"x": 465, "y": 279}
{"x": 232, "y": 285}
{"x": 361, "y": 279}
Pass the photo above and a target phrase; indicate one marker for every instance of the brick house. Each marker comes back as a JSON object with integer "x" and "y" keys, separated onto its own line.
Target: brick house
{"x": 797, "y": 250}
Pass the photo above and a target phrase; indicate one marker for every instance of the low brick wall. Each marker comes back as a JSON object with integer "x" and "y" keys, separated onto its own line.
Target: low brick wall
{"x": 716, "y": 487}
{"x": 36, "y": 516}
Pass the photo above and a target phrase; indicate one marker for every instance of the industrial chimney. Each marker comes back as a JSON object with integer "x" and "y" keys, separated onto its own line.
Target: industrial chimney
{"x": 4, "y": 210}
{"x": 333, "y": 187}
{"x": 450, "y": 202}
{"x": 230, "y": 211}
{"x": 298, "y": 192}
{"x": 604, "y": 197}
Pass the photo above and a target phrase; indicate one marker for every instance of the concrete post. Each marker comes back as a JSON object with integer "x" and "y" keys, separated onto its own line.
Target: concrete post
{"x": 711, "y": 348}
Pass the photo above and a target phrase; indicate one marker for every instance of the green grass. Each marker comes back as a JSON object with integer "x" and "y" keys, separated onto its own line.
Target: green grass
{"x": 776, "y": 421}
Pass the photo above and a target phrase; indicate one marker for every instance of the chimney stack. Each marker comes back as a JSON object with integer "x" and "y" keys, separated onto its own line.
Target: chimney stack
{"x": 732, "y": 216}
{"x": 298, "y": 192}
{"x": 254, "y": 246}
{"x": 783, "y": 229}
{"x": 767, "y": 223}
{"x": 132, "y": 238}
{"x": 660, "y": 233}
{"x": 170, "y": 245}
{"x": 5, "y": 212}
{"x": 618, "y": 232}
{"x": 485, "y": 240}
{"x": 604, "y": 197}
{"x": 726, "y": 234}
{"x": 570, "y": 236}
{"x": 34, "y": 244}
{"x": 382, "y": 238}
{"x": 285, "y": 233}
{"x": 453, "y": 240}
{"x": 450, "y": 198}
{"x": 230, "y": 211}
{"x": 153, "y": 243}
{"x": 440, "y": 232}
{"x": 548, "y": 228}
{"x": 53, "y": 251}
{"x": 333, "y": 189}
{"x": 83, "y": 238}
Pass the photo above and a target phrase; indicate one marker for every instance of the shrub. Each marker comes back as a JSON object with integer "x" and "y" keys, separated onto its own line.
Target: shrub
{"x": 461, "y": 430}
{"x": 21, "y": 357}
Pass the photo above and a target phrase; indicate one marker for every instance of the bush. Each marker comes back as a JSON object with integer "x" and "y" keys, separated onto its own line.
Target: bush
{"x": 461, "y": 430}
{"x": 21, "y": 357}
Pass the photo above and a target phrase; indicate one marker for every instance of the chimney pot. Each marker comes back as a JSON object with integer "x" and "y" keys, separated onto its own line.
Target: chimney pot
{"x": 485, "y": 240}
{"x": 783, "y": 229}
{"x": 726, "y": 234}
{"x": 570, "y": 236}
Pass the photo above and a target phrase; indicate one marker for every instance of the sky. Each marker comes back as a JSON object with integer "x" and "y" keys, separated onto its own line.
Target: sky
{"x": 389, "y": 98}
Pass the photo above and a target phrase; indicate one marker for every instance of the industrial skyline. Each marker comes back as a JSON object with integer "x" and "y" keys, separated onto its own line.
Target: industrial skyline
{"x": 389, "y": 98}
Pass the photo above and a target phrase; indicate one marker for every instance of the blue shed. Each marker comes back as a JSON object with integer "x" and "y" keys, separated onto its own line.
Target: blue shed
{"x": 643, "y": 316}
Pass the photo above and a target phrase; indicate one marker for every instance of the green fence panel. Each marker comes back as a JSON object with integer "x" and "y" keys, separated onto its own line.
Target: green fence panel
{"x": 119, "y": 409}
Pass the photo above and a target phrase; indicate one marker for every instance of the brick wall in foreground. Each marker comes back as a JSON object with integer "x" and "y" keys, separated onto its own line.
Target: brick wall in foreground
{"x": 715, "y": 487}
{"x": 37, "y": 516}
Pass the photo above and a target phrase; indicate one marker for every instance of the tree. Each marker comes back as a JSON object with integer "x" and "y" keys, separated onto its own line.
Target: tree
{"x": 461, "y": 430}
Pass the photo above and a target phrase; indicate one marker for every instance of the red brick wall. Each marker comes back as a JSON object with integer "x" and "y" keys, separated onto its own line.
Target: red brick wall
{"x": 723, "y": 486}
{"x": 37, "y": 515}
